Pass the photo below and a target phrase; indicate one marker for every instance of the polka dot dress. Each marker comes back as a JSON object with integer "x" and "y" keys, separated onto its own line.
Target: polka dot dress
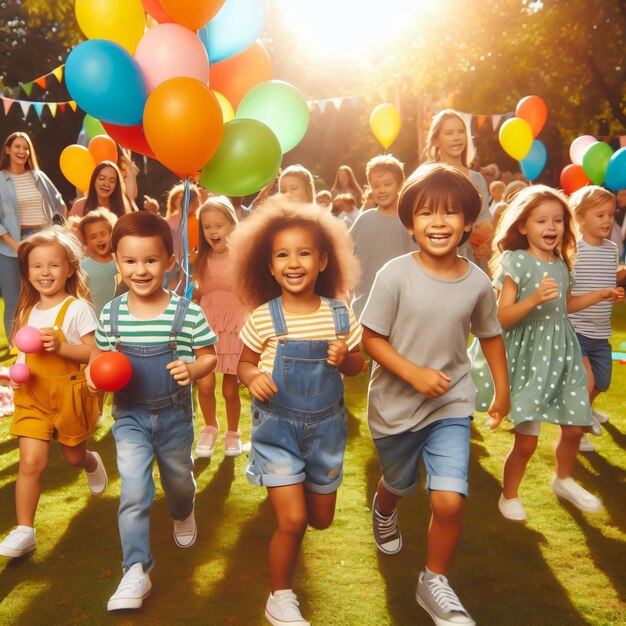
{"x": 546, "y": 373}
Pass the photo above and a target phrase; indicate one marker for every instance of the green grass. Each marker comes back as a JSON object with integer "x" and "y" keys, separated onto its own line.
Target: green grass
{"x": 563, "y": 567}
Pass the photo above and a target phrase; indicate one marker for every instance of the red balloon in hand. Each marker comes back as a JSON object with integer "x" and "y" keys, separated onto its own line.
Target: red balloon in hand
{"x": 111, "y": 371}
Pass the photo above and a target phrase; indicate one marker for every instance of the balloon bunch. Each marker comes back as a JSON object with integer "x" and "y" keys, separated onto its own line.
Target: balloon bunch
{"x": 385, "y": 123}
{"x": 78, "y": 163}
{"x": 518, "y": 136}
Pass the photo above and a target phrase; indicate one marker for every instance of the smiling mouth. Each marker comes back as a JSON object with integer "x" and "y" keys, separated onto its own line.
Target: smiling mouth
{"x": 549, "y": 239}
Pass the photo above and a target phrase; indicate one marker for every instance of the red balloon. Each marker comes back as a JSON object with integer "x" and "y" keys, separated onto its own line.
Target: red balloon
{"x": 534, "y": 110}
{"x": 111, "y": 371}
{"x": 131, "y": 137}
{"x": 154, "y": 8}
{"x": 573, "y": 178}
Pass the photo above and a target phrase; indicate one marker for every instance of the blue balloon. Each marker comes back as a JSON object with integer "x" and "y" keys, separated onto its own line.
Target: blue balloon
{"x": 534, "y": 162}
{"x": 106, "y": 82}
{"x": 615, "y": 178}
{"x": 237, "y": 25}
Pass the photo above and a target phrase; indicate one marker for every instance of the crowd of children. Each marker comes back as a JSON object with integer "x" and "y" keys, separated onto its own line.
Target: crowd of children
{"x": 282, "y": 302}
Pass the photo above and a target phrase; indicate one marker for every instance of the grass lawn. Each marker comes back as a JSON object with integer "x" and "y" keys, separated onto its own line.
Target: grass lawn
{"x": 563, "y": 567}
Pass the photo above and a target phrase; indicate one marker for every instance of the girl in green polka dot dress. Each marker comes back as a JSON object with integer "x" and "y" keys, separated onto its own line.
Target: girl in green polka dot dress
{"x": 534, "y": 246}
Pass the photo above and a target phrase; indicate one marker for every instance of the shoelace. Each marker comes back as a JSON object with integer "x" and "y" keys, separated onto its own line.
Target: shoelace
{"x": 288, "y": 601}
{"x": 443, "y": 595}
{"x": 387, "y": 526}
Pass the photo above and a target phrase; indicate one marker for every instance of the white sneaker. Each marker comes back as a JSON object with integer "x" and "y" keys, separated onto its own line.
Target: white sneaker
{"x": 232, "y": 443}
{"x": 512, "y": 509}
{"x": 18, "y": 542}
{"x": 585, "y": 445}
{"x": 133, "y": 589}
{"x": 602, "y": 418}
{"x": 206, "y": 442}
{"x": 282, "y": 609}
{"x": 97, "y": 480}
{"x": 185, "y": 531}
{"x": 596, "y": 429}
{"x": 438, "y": 599}
{"x": 570, "y": 490}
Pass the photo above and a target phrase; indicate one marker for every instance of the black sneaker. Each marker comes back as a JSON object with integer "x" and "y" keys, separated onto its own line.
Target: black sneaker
{"x": 386, "y": 531}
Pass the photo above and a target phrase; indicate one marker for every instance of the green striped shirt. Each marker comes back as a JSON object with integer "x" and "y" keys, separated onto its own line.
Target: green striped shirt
{"x": 196, "y": 332}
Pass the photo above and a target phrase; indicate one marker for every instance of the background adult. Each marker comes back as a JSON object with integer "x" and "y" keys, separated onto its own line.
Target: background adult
{"x": 345, "y": 182}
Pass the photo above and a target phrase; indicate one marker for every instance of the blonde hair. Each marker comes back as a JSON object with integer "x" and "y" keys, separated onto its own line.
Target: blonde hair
{"x": 355, "y": 188}
{"x": 101, "y": 214}
{"x": 174, "y": 203}
{"x": 589, "y": 197}
{"x": 431, "y": 151}
{"x": 300, "y": 172}
{"x": 385, "y": 163}
{"x": 508, "y": 236}
{"x": 251, "y": 250}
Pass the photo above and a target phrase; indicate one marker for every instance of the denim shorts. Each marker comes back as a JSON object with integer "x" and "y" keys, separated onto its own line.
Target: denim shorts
{"x": 598, "y": 351}
{"x": 444, "y": 445}
{"x": 291, "y": 447}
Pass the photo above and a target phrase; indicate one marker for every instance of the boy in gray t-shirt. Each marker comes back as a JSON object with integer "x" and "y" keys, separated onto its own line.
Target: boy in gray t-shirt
{"x": 416, "y": 323}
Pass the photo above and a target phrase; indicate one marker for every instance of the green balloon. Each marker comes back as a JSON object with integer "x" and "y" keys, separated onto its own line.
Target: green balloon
{"x": 248, "y": 158}
{"x": 280, "y": 106}
{"x": 595, "y": 161}
{"x": 93, "y": 126}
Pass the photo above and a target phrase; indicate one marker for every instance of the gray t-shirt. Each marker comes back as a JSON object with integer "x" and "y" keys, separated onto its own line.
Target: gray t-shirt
{"x": 377, "y": 239}
{"x": 428, "y": 321}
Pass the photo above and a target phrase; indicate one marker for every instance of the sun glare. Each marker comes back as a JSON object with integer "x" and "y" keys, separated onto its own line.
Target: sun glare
{"x": 350, "y": 28}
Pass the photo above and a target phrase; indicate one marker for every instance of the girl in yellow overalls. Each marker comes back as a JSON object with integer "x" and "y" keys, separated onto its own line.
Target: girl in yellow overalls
{"x": 54, "y": 402}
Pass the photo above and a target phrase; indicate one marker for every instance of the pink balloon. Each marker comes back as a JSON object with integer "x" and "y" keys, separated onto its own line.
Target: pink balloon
{"x": 20, "y": 373}
{"x": 28, "y": 340}
{"x": 578, "y": 148}
{"x": 171, "y": 51}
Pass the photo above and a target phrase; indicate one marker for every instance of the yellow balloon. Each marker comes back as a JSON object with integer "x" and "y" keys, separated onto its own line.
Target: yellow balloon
{"x": 227, "y": 108}
{"x": 385, "y": 123}
{"x": 77, "y": 165}
{"x": 120, "y": 21}
{"x": 516, "y": 138}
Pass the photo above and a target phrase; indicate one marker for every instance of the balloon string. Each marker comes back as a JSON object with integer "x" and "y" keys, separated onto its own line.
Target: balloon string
{"x": 185, "y": 259}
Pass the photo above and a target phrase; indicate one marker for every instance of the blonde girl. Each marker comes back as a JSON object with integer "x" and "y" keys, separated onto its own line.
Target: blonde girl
{"x": 54, "y": 402}
{"x": 345, "y": 182}
{"x": 297, "y": 182}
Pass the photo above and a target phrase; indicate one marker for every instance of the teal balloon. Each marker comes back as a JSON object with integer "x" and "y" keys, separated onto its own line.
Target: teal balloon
{"x": 533, "y": 163}
{"x": 93, "y": 126}
{"x": 280, "y": 106}
{"x": 616, "y": 171}
{"x": 596, "y": 160}
{"x": 248, "y": 158}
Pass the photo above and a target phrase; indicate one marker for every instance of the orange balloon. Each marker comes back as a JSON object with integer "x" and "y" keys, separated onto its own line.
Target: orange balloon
{"x": 534, "y": 110}
{"x": 234, "y": 77}
{"x": 103, "y": 148}
{"x": 77, "y": 165}
{"x": 194, "y": 14}
{"x": 183, "y": 124}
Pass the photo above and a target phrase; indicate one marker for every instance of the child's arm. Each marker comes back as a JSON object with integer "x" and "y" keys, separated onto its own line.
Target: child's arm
{"x": 183, "y": 373}
{"x": 349, "y": 363}
{"x": 425, "y": 380}
{"x": 577, "y": 303}
{"x": 620, "y": 276}
{"x": 95, "y": 353}
{"x": 495, "y": 355}
{"x": 511, "y": 312}
{"x": 77, "y": 352}
{"x": 259, "y": 383}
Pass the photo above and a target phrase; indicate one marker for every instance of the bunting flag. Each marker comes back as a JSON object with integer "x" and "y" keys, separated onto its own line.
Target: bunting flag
{"x": 39, "y": 107}
{"x": 7, "y": 103}
{"x": 27, "y": 88}
{"x": 321, "y": 105}
{"x": 40, "y": 81}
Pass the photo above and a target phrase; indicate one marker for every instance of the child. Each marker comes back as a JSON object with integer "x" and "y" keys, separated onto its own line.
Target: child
{"x": 95, "y": 231}
{"x": 290, "y": 261}
{"x": 160, "y": 333}
{"x": 533, "y": 249}
{"x": 226, "y": 317}
{"x": 55, "y": 402}
{"x": 297, "y": 182}
{"x": 378, "y": 234}
{"x": 421, "y": 397}
{"x": 347, "y": 210}
{"x": 324, "y": 198}
{"x": 345, "y": 183}
{"x": 596, "y": 264}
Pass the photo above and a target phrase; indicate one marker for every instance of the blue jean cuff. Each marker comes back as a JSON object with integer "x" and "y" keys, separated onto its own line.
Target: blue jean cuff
{"x": 401, "y": 493}
{"x": 447, "y": 483}
{"x": 275, "y": 480}
{"x": 324, "y": 489}
{"x": 147, "y": 566}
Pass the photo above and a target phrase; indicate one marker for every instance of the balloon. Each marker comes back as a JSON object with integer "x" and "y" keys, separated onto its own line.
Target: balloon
{"x": 616, "y": 171}
{"x": 28, "y": 340}
{"x": 93, "y": 126}
{"x": 385, "y": 123}
{"x": 516, "y": 138}
{"x": 155, "y": 10}
{"x": 20, "y": 373}
{"x": 596, "y": 160}
{"x": 77, "y": 165}
{"x": 131, "y": 137}
{"x": 534, "y": 110}
{"x": 228, "y": 112}
{"x": 237, "y": 75}
{"x": 103, "y": 148}
{"x": 534, "y": 162}
{"x": 119, "y": 21}
{"x": 168, "y": 51}
{"x": 236, "y": 27}
{"x": 247, "y": 159}
{"x": 281, "y": 107}
{"x": 578, "y": 147}
{"x": 111, "y": 371}
{"x": 106, "y": 82}
{"x": 183, "y": 124}
{"x": 193, "y": 14}
{"x": 573, "y": 178}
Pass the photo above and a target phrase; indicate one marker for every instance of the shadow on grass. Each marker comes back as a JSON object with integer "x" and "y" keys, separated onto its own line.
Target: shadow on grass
{"x": 9, "y": 445}
{"x": 618, "y": 436}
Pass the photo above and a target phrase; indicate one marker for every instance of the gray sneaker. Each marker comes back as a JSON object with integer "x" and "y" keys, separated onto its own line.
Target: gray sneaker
{"x": 386, "y": 531}
{"x": 436, "y": 597}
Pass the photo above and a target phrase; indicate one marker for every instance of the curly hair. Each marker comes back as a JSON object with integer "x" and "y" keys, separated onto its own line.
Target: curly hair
{"x": 251, "y": 249}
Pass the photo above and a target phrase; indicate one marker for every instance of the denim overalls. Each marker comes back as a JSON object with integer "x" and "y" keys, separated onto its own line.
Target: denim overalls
{"x": 153, "y": 416}
{"x": 299, "y": 435}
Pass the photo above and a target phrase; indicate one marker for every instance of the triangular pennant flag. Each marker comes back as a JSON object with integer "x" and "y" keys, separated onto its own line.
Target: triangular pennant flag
{"x": 311, "y": 104}
{"x": 353, "y": 100}
{"x": 495, "y": 121}
{"x": 622, "y": 141}
{"x": 8, "y": 103}
{"x": 52, "y": 106}
{"x": 62, "y": 106}
{"x": 25, "y": 107}
{"x": 337, "y": 102}
{"x": 58, "y": 73}
{"x": 38, "y": 108}
{"x": 72, "y": 105}
{"x": 41, "y": 81}
{"x": 27, "y": 87}
{"x": 321, "y": 104}
{"x": 480, "y": 120}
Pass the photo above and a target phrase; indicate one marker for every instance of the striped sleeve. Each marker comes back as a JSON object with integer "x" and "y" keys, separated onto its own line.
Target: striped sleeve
{"x": 250, "y": 334}
{"x": 103, "y": 331}
{"x": 354, "y": 336}
{"x": 202, "y": 334}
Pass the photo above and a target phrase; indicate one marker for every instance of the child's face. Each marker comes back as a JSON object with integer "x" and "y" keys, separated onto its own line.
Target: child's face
{"x": 385, "y": 188}
{"x": 142, "y": 262}
{"x": 544, "y": 228}
{"x": 296, "y": 261}
{"x": 452, "y": 138}
{"x": 293, "y": 187}
{"x": 106, "y": 181}
{"x": 48, "y": 269}
{"x": 98, "y": 238}
{"x": 344, "y": 178}
{"x": 216, "y": 228}
{"x": 597, "y": 223}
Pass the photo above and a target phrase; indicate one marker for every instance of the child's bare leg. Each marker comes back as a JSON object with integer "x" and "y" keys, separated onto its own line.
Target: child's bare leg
{"x": 386, "y": 500}
{"x": 444, "y": 532}
{"x": 291, "y": 513}
{"x": 320, "y": 508}
{"x": 79, "y": 456}
{"x": 230, "y": 391}
{"x": 33, "y": 462}
{"x": 515, "y": 464}
{"x": 206, "y": 396}
{"x": 567, "y": 449}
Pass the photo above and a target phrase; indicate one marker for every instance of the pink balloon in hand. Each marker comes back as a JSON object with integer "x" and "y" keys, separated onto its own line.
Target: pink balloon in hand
{"x": 20, "y": 373}
{"x": 28, "y": 340}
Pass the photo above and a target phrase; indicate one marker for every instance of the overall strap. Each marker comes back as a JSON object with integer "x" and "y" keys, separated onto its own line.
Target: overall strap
{"x": 58, "y": 322}
{"x": 179, "y": 320}
{"x": 278, "y": 317}
{"x": 340, "y": 316}
{"x": 114, "y": 313}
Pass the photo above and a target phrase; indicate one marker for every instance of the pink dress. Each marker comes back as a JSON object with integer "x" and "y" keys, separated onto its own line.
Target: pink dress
{"x": 225, "y": 314}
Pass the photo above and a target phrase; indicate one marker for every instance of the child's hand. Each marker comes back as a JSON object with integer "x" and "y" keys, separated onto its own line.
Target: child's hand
{"x": 262, "y": 387}
{"x": 51, "y": 341}
{"x": 95, "y": 391}
{"x": 337, "y": 351}
{"x": 431, "y": 383}
{"x": 612, "y": 294}
{"x": 497, "y": 411}
{"x": 548, "y": 290}
{"x": 180, "y": 372}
